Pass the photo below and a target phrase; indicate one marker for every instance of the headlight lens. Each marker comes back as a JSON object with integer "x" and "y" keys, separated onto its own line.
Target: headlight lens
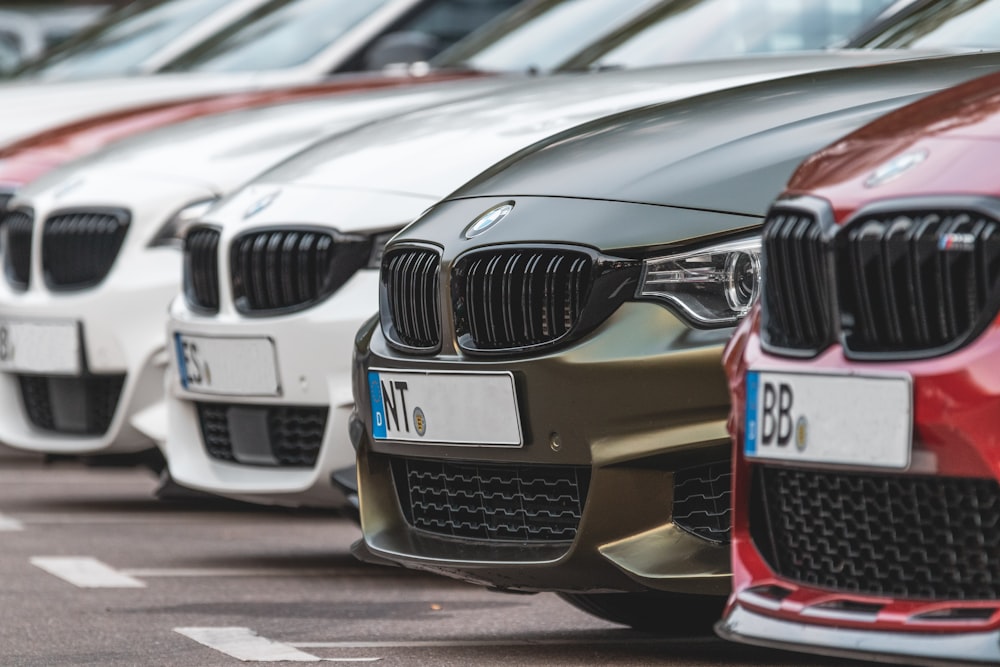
{"x": 171, "y": 234}
{"x": 713, "y": 286}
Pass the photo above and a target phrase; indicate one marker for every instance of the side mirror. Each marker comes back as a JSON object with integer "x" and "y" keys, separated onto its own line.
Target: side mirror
{"x": 401, "y": 48}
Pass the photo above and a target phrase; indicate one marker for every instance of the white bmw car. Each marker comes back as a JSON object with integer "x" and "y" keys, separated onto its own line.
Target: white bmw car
{"x": 91, "y": 256}
{"x": 280, "y": 276}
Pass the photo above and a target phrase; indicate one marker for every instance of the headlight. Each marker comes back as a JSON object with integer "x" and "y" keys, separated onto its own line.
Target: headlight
{"x": 713, "y": 286}
{"x": 378, "y": 248}
{"x": 172, "y": 233}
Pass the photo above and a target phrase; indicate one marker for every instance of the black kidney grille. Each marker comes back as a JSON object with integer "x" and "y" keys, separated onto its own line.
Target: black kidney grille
{"x": 201, "y": 268}
{"x": 291, "y": 437}
{"x": 525, "y": 503}
{"x": 907, "y": 537}
{"x": 79, "y": 247}
{"x": 913, "y": 282}
{"x": 508, "y": 298}
{"x": 288, "y": 268}
{"x": 17, "y": 230}
{"x": 76, "y": 405}
{"x": 796, "y": 290}
{"x": 702, "y": 501}
{"x": 410, "y": 286}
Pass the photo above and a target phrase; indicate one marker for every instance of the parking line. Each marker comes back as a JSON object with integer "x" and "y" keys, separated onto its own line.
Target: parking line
{"x": 85, "y": 572}
{"x": 10, "y": 523}
{"x": 246, "y": 645}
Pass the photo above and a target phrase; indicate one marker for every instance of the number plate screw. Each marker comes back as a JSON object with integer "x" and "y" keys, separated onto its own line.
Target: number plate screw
{"x": 555, "y": 442}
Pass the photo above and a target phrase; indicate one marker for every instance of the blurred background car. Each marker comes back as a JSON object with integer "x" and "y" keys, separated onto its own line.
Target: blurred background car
{"x": 29, "y": 29}
{"x": 232, "y": 64}
{"x": 867, "y": 505}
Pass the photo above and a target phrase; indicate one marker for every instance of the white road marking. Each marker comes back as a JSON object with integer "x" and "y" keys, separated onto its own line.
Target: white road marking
{"x": 85, "y": 572}
{"x": 9, "y": 523}
{"x": 246, "y": 645}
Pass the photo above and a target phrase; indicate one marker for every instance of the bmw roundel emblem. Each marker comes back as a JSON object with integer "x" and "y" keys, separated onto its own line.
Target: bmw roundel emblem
{"x": 261, "y": 203}
{"x": 488, "y": 220}
{"x": 896, "y": 167}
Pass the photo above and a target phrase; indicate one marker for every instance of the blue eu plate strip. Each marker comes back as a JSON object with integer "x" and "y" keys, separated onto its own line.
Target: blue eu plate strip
{"x": 750, "y": 430}
{"x": 378, "y": 410}
{"x": 181, "y": 365}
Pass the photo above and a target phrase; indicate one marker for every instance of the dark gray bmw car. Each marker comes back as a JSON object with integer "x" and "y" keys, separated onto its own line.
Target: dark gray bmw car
{"x": 540, "y": 405}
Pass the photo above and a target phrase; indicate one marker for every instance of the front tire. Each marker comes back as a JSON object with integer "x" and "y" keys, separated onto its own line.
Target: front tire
{"x": 653, "y": 611}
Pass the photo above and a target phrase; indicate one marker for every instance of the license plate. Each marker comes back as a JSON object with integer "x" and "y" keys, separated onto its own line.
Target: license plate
{"x": 40, "y": 347}
{"x": 233, "y": 366}
{"x": 832, "y": 419}
{"x": 445, "y": 408}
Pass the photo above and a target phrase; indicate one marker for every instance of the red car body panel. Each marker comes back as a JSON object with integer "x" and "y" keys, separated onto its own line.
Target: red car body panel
{"x": 27, "y": 159}
{"x": 956, "y": 397}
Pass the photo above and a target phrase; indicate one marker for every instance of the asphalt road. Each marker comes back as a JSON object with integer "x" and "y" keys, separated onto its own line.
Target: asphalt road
{"x": 94, "y": 571}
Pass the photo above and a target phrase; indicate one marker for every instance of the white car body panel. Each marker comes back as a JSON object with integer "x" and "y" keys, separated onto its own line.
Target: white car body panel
{"x": 376, "y": 178}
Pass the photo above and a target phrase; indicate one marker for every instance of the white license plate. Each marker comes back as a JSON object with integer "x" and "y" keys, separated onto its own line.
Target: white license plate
{"x": 234, "y": 366}
{"x": 445, "y": 408}
{"x": 40, "y": 346}
{"x": 832, "y": 419}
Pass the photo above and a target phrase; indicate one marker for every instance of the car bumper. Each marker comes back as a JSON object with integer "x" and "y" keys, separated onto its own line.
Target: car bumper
{"x": 634, "y": 402}
{"x": 312, "y": 350}
{"x": 955, "y": 399}
{"x": 744, "y": 625}
{"x": 129, "y": 349}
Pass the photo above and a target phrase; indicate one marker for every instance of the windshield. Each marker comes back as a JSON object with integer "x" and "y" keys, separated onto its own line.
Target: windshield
{"x": 954, "y": 24}
{"x": 687, "y": 30}
{"x": 122, "y": 43}
{"x": 540, "y": 35}
{"x": 282, "y": 34}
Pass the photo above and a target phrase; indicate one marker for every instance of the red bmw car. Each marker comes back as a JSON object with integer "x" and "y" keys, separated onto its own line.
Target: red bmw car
{"x": 866, "y": 397}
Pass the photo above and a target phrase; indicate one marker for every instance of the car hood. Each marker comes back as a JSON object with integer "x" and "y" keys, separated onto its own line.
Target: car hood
{"x": 730, "y": 151}
{"x": 28, "y": 158}
{"x": 32, "y": 106}
{"x": 432, "y": 152}
{"x": 942, "y": 144}
{"x": 223, "y": 151}
{"x": 344, "y": 209}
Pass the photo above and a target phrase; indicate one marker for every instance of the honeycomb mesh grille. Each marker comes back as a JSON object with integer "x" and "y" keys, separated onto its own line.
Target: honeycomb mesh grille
{"x": 907, "y": 537}
{"x": 702, "y": 501}
{"x": 72, "y": 405}
{"x": 17, "y": 230}
{"x": 492, "y": 502}
{"x": 79, "y": 247}
{"x": 294, "y": 434}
